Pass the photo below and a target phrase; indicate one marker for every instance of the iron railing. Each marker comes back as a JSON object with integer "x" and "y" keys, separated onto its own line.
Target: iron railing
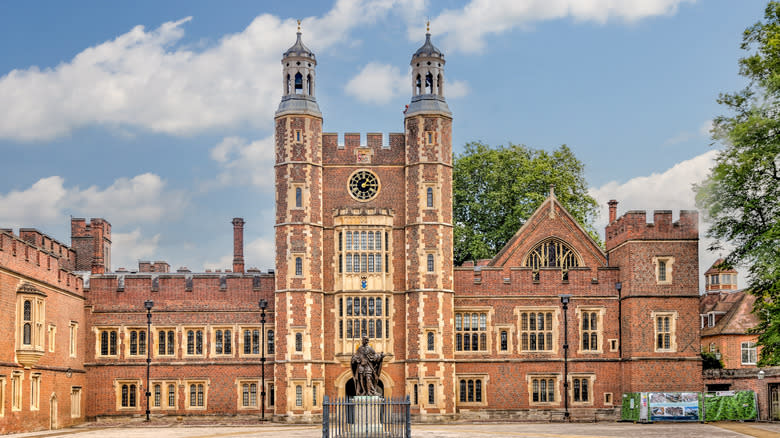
{"x": 366, "y": 417}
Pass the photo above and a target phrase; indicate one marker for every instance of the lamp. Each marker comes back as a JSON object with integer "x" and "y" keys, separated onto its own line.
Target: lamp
{"x": 565, "y": 299}
{"x": 148, "y": 304}
{"x": 263, "y": 305}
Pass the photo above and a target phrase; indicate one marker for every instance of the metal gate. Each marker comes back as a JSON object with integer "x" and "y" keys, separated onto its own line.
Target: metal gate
{"x": 366, "y": 417}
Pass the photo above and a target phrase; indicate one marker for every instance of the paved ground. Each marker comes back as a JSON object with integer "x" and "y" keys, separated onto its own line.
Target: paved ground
{"x": 493, "y": 430}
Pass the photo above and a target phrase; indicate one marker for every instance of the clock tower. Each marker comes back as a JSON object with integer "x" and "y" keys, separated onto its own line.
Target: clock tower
{"x": 298, "y": 301}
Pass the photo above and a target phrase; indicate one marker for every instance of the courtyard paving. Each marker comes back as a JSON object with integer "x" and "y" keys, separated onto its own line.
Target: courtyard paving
{"x": 494, "y": 430}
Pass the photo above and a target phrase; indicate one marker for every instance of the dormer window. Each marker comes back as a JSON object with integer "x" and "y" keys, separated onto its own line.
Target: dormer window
{"x": 711, "y": 320}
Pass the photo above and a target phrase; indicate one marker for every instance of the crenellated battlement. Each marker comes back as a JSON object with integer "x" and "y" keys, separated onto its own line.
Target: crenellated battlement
{"x": 634, "y": 226}
{"x": 216, "y": 291}
{"x": 353, "y": 140}
{"x": 38, "y": 255}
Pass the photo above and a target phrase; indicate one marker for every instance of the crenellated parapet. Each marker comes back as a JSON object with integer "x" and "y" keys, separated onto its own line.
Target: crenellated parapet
{"x": 363, "y": 149}
{"x": 36, "y": 255}
{"x": 182, "y": 291}
{"x": 634, "y": 226}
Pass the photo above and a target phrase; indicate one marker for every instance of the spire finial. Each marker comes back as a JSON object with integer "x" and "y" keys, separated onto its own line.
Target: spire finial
{"x": 299, "y": 26}
{"x": 428, "y": 26}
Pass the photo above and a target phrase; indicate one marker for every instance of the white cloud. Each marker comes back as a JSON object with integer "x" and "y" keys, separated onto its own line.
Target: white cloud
{"x": 378, "y": 83}
{"x": 262, "y": 253}
{"x": 702, "y": 131}
{"x": 456, "y": 89}
{"x": 669, "y": 190}
{"x": 145, "y": 79}
{"x": 143, "y": 198}
{"x": 466, "y": 28}
{"x": 242, "y": 162}
{"x": 128, "y": 248}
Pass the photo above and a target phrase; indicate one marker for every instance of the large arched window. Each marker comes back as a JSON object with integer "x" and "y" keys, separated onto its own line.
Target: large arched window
{"x": 552, "y": 253}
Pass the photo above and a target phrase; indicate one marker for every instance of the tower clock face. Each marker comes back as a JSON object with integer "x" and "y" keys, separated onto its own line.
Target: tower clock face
{"x": 363, "y": 185}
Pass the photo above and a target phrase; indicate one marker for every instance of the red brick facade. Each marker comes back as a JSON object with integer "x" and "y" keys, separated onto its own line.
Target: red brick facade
{"x": 484, "y": 340}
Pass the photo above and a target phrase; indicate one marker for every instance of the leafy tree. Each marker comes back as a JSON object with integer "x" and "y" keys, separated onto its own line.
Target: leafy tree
{"x": 741, "y": 196}
{"x": 710, "y": 362}
{"x": 497, "y": 189}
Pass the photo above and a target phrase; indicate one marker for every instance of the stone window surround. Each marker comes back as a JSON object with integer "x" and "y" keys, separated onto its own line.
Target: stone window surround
{"x": 489, "y": 313}
{"x": 156, "y": 343}
{"x": 556, "y": 377}
{"x": 99, "y": 330}
{"x": 556, "y": 321}
{"x": 591, "y": 393}
{"x": 126, "y": 333}
{"x": 164, "y": 395}
{"x": 187, "y": 393}
{"x": 669, "y": 269}
{"x": 118, "y": 383}
{"x": 672, "y": 330}
{"x": 185, "y": 341}
{"x": 240, "y": 382}
{"x": 483, "y": 377}
{"x": 601, "y": 311}
{"x": 213, "y": 340}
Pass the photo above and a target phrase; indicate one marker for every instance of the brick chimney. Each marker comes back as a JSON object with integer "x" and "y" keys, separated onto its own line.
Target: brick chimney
{"x": 92, "y": 243}
{"x": 612, "y": 210}
{"x": 238, "y": 244}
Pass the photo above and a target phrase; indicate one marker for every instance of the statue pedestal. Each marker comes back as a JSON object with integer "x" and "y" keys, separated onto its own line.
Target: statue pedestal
{"x": 368, "y": 414}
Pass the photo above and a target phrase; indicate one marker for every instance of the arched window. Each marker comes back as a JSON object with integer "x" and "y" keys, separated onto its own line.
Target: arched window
{"x": 298, "y": 197}
{"x": 298, "y": 395}
{"x": 552, "y": 253}
{"x": 429, "y": 197}
{"x": 298, "y": 342}
{"x": 270, "y": 338}
{"x": 298, "y": 266}
{"x": 430, "y": 341}
{"x": 171, "y": 395}
{"x": 157, "y": 395}
{"x": 288, "y": 85}
{"x": 298, "y": 83}
{"x": 27, "y": 328}
{"x": 418, "y": 85}
{"x": 308, "y": 85}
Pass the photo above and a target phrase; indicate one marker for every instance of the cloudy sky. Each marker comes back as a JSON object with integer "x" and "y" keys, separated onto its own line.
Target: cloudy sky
{"x": 157, "y": 115}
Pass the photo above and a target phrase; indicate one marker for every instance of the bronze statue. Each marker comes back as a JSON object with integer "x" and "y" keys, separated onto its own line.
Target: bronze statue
{"x": 366, "y": 368}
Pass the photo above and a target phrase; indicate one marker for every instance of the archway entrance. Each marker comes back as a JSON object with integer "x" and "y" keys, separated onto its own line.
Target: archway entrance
{"x": 349, "y": 388}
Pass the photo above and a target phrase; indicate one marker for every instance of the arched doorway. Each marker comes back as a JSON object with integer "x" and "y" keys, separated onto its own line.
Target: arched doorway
{"x": 53, "y": 412}
{"x": 349, "y": 388}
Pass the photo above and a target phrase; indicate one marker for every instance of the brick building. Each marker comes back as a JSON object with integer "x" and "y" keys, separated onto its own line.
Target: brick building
{"x": 364, "y": 247}
{"x": 726, "y": 318}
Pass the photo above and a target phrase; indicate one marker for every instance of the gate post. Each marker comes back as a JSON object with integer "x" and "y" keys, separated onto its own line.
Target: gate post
{"x": 325, "y": 416}
{"x": 408, "y": 418}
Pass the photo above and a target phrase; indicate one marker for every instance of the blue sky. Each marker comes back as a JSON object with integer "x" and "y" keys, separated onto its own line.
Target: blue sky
{"x": 157, "y": 115}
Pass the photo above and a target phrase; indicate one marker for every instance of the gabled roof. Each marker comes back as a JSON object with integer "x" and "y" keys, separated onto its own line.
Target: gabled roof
{"x": 565, "y": 228}
{"x": 738, "y": 317}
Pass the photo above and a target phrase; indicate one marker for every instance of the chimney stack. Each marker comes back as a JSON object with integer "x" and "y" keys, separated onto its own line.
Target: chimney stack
{"x": 612, "y": 210}
{"x": 238, "y": 245}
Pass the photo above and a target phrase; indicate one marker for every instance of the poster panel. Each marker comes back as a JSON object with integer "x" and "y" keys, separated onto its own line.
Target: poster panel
{"x": 674, "y": 406}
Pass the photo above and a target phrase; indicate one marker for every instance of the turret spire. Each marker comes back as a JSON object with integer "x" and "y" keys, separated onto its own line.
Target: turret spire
{"x": 298, "y": 79}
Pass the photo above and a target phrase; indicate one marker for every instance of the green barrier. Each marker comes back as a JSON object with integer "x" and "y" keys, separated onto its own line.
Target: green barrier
{"x": 739, "y": 406}
{"x": 630, "y": 410}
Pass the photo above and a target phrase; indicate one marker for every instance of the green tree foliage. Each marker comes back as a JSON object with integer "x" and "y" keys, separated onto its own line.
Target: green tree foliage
{"x": 497, "y": 189}
{"x": 710, "y": 362}
{"x": 742, "y": 194}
